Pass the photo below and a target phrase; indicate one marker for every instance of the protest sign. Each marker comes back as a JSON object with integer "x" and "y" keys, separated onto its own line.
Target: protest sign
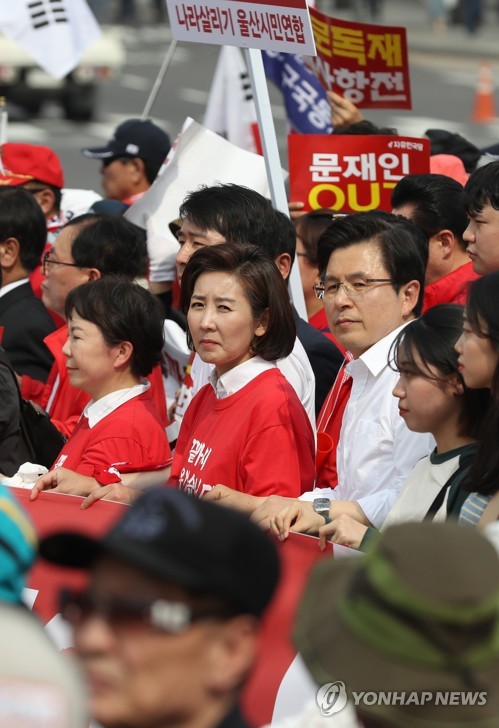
{"x": 352, "y": 173}
{"x": 307, "y": 106}
{"x": 275, "y": 25}
{"x": 199, "y": 157}
{"x": 367, "y": 64}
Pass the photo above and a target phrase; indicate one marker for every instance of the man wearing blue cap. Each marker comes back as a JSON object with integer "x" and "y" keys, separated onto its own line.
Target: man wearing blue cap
{"x": 131, "y": 159}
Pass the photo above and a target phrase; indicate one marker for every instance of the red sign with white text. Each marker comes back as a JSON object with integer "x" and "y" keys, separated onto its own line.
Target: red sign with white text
{"x": 367, "y": 64}
{"x": 350, "y": 173}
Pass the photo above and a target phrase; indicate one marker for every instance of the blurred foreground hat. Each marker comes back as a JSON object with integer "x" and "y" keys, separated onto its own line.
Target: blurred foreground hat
{"x": 134, "y": 138}
{"x": 450, "y": 166}
{"x": 24, "y": 163}
{"x": 445, "y": 142}
{"x": 17, "y": 547}
{"x": 419, "y": 614}
{"x": 186, "y": 541}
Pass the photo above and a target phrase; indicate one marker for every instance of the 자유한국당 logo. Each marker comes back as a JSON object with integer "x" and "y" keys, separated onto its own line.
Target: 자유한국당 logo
{"x": 332, "y": 697}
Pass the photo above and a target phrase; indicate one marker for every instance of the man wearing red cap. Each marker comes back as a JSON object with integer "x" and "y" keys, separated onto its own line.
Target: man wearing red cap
{"x": 37, "y": 169}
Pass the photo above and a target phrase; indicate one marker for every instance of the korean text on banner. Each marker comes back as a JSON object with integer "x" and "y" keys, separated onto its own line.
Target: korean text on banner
{"x": 273, "y": 25}
{"x": 307, "y": 106}
{"x": 367, "y": 64}
{"x": 352, "y": 173}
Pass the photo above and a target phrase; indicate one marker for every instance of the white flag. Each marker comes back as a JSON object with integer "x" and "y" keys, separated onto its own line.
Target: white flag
{"x": 230, "y": 111}
{"x": 54, "y": 33}
{"x": 198, "y": 157}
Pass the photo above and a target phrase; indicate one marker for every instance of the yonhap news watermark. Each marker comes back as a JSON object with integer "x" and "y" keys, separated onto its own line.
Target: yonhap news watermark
{"x": 332, "y": 698}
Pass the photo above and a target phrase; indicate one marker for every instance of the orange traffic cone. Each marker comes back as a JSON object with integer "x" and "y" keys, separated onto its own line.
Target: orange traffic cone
{"x": 483, "y": 110}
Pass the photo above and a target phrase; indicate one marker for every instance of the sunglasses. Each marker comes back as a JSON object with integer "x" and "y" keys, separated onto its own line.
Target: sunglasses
{"x": 121, "y": 611}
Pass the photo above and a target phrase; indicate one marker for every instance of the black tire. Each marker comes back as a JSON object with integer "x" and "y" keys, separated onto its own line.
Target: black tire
{"x": 78, "y": 103}
{"x": 32, "y": 108}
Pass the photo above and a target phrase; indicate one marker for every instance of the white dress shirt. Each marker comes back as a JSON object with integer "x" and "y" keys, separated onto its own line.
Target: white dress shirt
{"x": 95, "y": 411}
{"x": 295, "y": 367}
{"x": 238, "y": 377}
{"x": 10, "y": 286}
{"x": 376, "y": 450}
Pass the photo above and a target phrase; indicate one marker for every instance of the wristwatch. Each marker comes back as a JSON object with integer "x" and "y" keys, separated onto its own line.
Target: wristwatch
{"x": 322, "y": 506}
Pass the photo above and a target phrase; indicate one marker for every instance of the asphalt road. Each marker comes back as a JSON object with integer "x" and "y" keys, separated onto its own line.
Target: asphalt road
{"x": 443, "y": 88}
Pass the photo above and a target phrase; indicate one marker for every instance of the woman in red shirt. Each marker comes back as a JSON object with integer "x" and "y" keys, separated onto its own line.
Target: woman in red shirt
{"x": 246, "y": 428}
{"x": 115, "y": 338}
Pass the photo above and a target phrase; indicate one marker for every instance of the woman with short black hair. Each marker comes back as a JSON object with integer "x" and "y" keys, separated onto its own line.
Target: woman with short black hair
{"x": 115, "y": 338}
{"x": 246, "y": 428}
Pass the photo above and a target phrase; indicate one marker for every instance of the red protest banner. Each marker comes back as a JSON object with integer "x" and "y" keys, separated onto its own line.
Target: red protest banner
{"x": 352, "y": 173}
{"x": 276, "y": 652}
{"x": 52, "y": 512}
{"x": 367, "y": 64}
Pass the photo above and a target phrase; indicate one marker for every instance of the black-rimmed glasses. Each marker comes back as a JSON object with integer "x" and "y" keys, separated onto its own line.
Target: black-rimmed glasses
{"x": 48, "y": 261}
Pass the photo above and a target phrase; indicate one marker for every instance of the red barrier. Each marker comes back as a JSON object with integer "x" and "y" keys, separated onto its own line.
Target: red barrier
{"x": 51, "y": 512}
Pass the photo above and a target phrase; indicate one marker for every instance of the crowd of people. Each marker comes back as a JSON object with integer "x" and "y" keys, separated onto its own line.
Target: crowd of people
{"x": 377, "y": 413}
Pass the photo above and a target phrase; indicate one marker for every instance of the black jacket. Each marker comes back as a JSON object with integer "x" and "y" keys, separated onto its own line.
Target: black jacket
{"x": 26, "y": 323}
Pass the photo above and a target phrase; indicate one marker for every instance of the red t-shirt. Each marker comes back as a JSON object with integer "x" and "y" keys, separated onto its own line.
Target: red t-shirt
{"x": 452, "y": 288}
{"x": 130, "y": 438}
{"x": 258, "y": 441}
{"x": 65, "y": 403}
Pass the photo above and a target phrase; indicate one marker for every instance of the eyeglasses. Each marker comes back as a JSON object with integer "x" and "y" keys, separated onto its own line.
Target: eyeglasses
{"x": 47, "y": 261}
{"x": 122, "y": 611}
{"x": 353, "y": 289}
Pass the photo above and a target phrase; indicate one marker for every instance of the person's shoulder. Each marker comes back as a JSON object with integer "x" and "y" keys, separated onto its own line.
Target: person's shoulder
{"x": 311, "y": 337}
{"x": 20, "y": 295}
{"x": 270, "y": 391}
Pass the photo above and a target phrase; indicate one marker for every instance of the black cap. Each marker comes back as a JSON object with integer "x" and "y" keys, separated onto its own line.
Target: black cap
{"x": 446, "y": 142}
{"x": 134, "y": 138}
{"x": 186, "y": 541}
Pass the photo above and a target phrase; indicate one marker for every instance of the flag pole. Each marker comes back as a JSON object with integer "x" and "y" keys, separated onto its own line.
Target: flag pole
{"x": 159, "y": 79}
{"x": 261, "y": 98}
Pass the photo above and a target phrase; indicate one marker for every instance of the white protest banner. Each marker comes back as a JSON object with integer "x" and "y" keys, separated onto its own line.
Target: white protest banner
{"x": 200, "y": 157}
{"x": 55, "y": 33}
{"x": 272, "y": 25}
{"x": 230, "y": 111}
